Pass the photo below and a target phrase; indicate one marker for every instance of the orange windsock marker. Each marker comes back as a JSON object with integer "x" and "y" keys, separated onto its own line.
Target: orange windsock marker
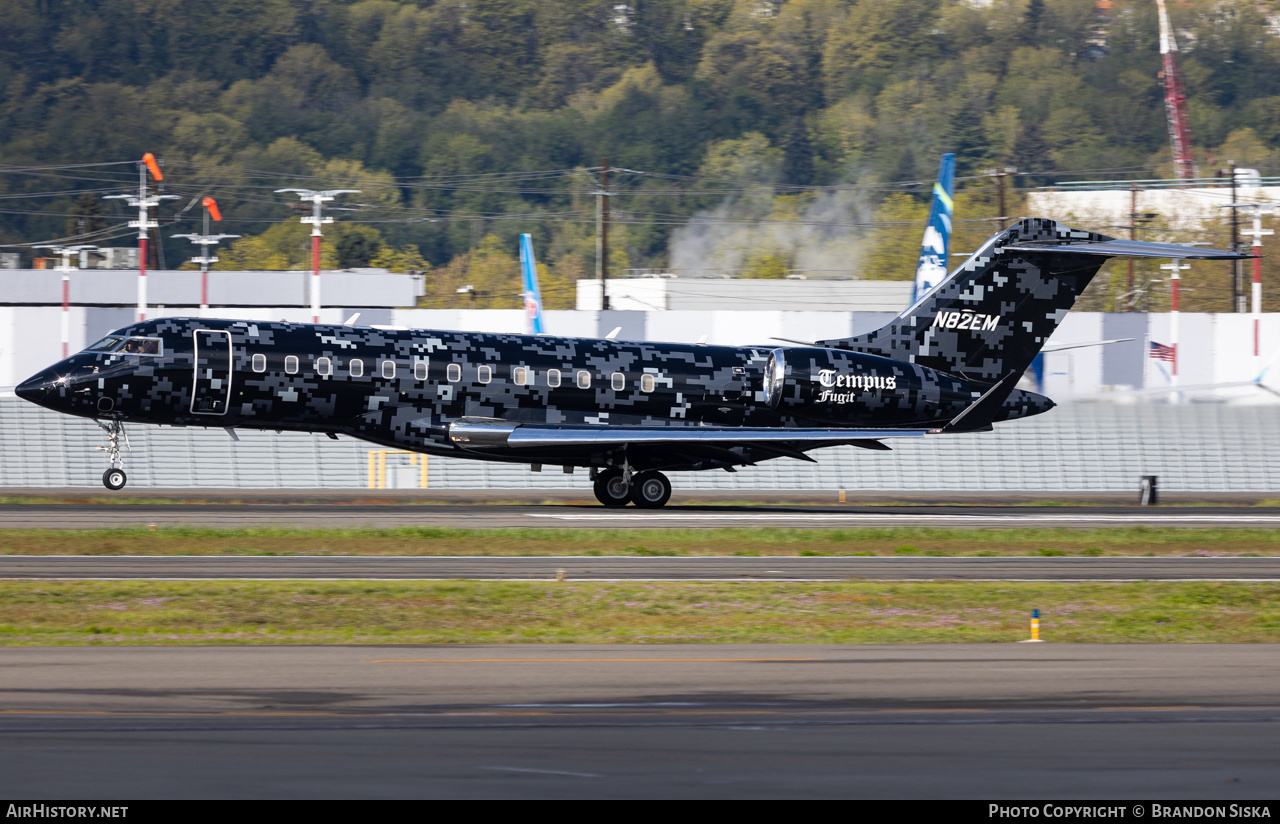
{"x": 152, "y": 166}
{"x": 212, "y": 206}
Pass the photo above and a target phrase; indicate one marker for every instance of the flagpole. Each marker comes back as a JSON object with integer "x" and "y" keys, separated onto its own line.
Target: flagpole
{"x": 1175, "y": 268}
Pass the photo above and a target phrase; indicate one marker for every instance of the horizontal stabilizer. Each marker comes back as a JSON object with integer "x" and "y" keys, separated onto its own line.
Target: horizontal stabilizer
{"x": 1129, "y": 249}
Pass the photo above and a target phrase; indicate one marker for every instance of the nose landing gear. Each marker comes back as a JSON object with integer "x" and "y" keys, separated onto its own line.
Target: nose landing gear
{"x": 115, "y": 477}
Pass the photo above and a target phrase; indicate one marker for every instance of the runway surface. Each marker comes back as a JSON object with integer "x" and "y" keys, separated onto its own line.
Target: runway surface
{"x": 975, "y": 721}
{"x": 580, "y": 568}
{"x": 88, "y": 515}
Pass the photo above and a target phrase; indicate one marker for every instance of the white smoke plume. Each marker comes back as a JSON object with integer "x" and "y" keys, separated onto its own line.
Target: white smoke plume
{"x": 819, "y": 237}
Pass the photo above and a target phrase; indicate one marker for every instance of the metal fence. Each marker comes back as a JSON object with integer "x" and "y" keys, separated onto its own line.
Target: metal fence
{"x": 1074, "y": 448}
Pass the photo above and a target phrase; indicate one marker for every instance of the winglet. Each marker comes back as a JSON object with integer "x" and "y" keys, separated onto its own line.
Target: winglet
{"x": 532, "y": 295}
{"x": 977, "y": 416}
{"x": 931, "y": 269}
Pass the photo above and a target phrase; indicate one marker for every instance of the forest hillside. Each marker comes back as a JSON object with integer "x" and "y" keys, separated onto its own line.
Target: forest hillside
{"x": 757, "y": 136}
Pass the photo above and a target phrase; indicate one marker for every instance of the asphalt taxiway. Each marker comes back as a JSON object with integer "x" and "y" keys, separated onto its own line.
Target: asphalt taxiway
{"x": 978, "y": 721}
{"x": 616, "y": 568}
{"x": 557, "y": 515}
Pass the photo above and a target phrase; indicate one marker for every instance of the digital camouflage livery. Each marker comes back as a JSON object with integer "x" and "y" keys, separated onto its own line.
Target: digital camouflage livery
{"x": 626, "y": 411}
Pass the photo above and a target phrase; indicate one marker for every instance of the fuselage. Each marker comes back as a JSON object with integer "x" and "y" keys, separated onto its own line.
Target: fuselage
{"x": 402, "y": 388}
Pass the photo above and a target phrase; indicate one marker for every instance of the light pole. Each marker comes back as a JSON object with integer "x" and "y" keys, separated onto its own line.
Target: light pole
{"x": 316, "y": 220}
{"x": 205, "y": 241}
{"x": 1257, "y": 233}
{"x": 66, "y": 252}
{"x": 144, "y": 203}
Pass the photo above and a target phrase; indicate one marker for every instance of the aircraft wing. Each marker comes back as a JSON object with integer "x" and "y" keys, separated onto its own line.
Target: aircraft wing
{"x": 481, "y": 433}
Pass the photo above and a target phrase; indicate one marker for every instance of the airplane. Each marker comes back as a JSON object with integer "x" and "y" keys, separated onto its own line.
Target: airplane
{"x": 530, "y": 292}
{"x": 628, "y": 412}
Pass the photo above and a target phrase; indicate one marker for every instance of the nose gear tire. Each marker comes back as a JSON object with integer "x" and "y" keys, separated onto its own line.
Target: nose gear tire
{"x": 612, "y": 489}
{"x": 650, "y": 490}
{"x": 114, "y": 479}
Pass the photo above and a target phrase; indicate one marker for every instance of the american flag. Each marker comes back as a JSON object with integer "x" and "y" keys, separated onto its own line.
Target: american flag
{"x": 1161, "y": 352}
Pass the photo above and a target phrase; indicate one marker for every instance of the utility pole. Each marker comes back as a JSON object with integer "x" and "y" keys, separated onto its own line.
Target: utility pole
{"x": 1000, "y": 174}
{"x": 602, "y": 234}
{"x": 144, "y": 202}
{"x": 1257, "y": 233}
{"x": 205, "y": 241}
{"x": 65, "y": 252}
{"x": 1237, "y": 293}
{"x": 316, "y": 220}
{"x": 1133, "y": 235}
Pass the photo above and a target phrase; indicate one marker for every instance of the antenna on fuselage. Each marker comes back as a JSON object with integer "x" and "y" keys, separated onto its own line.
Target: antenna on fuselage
{"x": 351, "y": 321}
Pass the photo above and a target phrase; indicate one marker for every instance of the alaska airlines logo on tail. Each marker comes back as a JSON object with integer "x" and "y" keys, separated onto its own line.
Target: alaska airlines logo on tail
{"x": 966, "y": 320}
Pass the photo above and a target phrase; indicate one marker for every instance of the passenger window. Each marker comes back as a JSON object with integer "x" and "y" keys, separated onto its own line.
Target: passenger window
{"x": 420, "y": 370}
{"x": 520, "y": 376}
{"x": 453, "y": 373}
{"x": 324, "y": 367}
{"x": 291, "y": 365}
{"x": 618, "y": 381}
{"x": 484, "y": 374}
{"x": 388, "y": 369}
{"x": 553, "y": 378}
{"x": 259, "y": 363}
{"x": 356, "y": 367}
{"x": 646, "y": 383}
{"x": 584, "y": 380}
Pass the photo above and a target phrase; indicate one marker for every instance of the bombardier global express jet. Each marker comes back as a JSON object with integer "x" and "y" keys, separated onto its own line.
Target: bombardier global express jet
{"x": 626, "y": 411}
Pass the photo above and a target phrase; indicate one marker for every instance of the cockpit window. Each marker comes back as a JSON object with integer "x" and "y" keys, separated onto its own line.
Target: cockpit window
{"x": 141, "y": 346}
{"x": 106, "y": 344}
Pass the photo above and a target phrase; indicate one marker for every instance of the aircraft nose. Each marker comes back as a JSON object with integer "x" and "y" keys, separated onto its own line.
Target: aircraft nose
{"x": 45, "y": 388}
{"x": 35, "y": 389}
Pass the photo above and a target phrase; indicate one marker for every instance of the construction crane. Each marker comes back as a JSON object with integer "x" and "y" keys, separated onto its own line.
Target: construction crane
{"x": 1175, "y": 99}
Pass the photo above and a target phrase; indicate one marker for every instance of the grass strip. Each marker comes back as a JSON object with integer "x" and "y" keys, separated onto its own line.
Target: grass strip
{"x": 460, "y": 612}
{"x": 1154, "y": 541}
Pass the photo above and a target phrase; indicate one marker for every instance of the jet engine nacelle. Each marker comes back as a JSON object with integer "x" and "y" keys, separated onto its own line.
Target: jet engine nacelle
{"x": 839, "y": 386}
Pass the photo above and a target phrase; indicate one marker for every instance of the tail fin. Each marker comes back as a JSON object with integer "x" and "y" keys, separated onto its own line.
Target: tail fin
{"x": 932, "y": 268}
{"x": 532, "y": 295}
{"x": 991, "y": 316}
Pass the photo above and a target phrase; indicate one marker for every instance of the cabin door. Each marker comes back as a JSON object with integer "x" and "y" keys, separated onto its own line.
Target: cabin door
{"x": 212, "y": 389}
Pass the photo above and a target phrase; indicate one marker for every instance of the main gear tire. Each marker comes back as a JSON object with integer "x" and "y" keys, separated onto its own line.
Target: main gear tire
{"x": 612, "y": 489}
{"x": 650, "y": 490}
{"x": 114, "y": 478}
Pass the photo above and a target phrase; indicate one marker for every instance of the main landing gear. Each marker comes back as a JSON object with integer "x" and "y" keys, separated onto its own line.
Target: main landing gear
{"x": 618, "y": 487}
{"x": 114, "y": 477}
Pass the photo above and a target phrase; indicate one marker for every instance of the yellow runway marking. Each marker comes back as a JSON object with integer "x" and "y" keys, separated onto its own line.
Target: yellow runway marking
{"x": 571, "y": 660}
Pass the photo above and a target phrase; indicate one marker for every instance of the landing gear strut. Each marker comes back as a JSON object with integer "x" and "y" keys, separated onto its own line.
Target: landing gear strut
{"x": 613, "y": 487}
{"x": 114, "y": 477}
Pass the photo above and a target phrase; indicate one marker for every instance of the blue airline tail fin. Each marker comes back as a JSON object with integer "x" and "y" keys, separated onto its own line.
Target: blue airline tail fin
{"x": 932, "y": 268}
{"x": 532, "y": 295}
